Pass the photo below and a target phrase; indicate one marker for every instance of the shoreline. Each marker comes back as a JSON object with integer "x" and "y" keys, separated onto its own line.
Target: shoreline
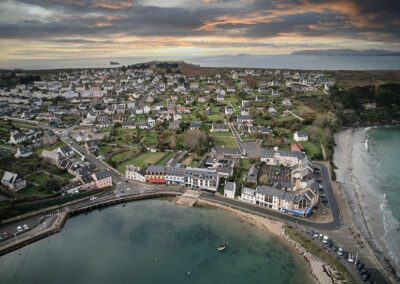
{"x": 349, "y": 185}
{"x": 321, "y": 272}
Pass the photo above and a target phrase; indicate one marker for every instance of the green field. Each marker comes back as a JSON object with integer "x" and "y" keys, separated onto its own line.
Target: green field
{"x": 121, "y": 156}
{"x": 142, "y": 161}
{"x": 166, "y": 158}
{"x": 39, "y": 151}
{"x": 225, "y": 139}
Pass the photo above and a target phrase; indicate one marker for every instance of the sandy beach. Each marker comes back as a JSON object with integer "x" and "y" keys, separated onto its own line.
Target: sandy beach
{"x": 363, "y": 202}
{"x": 322, "y": 272}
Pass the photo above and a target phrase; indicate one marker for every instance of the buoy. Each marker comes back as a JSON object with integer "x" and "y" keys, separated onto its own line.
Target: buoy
{"x": 188, "y": 272}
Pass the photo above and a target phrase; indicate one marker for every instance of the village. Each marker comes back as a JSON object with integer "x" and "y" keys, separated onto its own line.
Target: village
{"x": 240, "y": 133}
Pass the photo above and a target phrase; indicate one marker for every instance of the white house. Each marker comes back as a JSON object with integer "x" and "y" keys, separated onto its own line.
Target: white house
{"x": 230, "y": 189}
{"x": 134, "y": 173}
{"x": 13, "y": 181}
{"x": 151, "y": 122}
{"x": 23, "y": 152}
{"x": 248, "y": 195}
{"x": 300, "y": 136}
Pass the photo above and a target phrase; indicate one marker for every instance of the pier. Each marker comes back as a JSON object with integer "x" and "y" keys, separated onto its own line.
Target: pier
{"x": 189, "y": 198}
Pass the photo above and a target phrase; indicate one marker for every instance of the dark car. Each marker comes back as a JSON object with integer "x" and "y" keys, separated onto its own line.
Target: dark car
{"x": 360, "y": 266}
{"x": 334, "y": 247}
{"x": 363, "y": 271}
{"x": 345, "y": 254}
{"x": 366, "y": 276}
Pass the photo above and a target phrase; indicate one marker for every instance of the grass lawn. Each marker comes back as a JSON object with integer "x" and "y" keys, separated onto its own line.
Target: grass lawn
{"x": 312, "y": 148}
{"x": 119, "y": 157}
{"x": 224, "y": 139}
{"x": 38, "y": 151}
{"x": 33, "y": 191}
{"x": 150, "y": 138}
{"x": 166, "y": 158}
{"x": 142, "y": 161}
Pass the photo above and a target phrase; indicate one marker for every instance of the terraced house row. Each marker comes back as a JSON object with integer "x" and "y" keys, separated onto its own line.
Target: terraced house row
{"x": 200, "y": 178}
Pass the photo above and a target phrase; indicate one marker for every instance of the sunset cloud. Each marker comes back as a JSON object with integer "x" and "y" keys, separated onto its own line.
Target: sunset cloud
{"x": 59, "y": 28}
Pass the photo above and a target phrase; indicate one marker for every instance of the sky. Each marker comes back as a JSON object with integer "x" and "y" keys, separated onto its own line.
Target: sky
{"x": 55, "y": 29}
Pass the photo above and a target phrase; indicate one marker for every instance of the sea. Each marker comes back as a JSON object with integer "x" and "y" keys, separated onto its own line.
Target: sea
{"x": 156, "y": 241}
{"x": 283, "y": 61}
{"x": 373, "y": 170}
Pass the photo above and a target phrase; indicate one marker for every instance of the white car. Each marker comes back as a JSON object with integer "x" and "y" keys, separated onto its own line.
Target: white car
{"x": 325, "y": 240}
{"x": 19, "y": 228}
{"x": 26, "y": 227}
{"x": 340, "y": 251}
{"x": 351, "y": 258}
{"x": 93, "y": 198}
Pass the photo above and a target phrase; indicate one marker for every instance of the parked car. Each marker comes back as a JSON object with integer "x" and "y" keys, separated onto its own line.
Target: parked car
{"x": 334, "y": 247}
{"x": 325, "y": 239}
{"x": 366, "y": 276}
{"x": 316, "y": 234}
{"x": 26, "y": 227}
{"x": 360, "y": 266}
{"x": 350, "y": 258}
{"x": 340, "y": 251}
{"x": 19, "y": 228}
{"x": 363, "y": 270}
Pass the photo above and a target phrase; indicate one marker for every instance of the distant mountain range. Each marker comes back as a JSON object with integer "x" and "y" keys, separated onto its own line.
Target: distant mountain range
{"x": 347, "y": 52}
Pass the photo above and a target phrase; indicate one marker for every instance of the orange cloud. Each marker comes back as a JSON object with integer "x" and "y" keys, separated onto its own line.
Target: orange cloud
{"x": 112, "y": 5}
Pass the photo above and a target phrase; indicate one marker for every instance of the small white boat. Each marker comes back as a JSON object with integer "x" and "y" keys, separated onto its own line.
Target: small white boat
{"x": 366, "y": 144}
{"x": 222, "y": 246}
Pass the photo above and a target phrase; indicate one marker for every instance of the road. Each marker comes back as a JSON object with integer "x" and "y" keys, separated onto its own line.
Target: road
{"x": 249, "y": 148}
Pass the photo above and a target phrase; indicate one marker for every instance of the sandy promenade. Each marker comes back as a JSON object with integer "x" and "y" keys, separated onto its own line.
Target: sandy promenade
{"x": 322, "y": 272}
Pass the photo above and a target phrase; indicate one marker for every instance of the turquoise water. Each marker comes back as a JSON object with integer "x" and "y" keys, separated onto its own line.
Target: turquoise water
{"x": 384, "y": 154}
{"x": 385, "y": 150}
{"x": 377, "y": 173}
{"x": 155, "y": 241}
